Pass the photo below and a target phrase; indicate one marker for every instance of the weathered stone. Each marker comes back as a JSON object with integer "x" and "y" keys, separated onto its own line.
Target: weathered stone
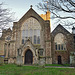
{"x": 19, "y": 60}
{"x": 15, "y": 52}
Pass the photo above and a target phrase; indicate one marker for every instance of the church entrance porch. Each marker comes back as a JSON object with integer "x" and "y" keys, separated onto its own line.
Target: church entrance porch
{"x": 28, "y": 57}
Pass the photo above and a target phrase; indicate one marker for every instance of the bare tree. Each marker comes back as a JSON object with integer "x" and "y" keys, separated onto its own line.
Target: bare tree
{"x": 62, "y": 10}
{"x": 5, "y": 17}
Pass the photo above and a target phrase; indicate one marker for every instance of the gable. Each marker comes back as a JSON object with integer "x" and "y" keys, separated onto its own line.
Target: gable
{"x": 31, "y": 13}
{"x": 60, "y": 29}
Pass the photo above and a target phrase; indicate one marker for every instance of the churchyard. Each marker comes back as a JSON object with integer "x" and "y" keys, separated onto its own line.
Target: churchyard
{"x": 11, "y": 69}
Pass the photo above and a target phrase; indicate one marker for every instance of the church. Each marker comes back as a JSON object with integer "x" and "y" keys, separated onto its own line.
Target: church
{"x": 31, "y": 41}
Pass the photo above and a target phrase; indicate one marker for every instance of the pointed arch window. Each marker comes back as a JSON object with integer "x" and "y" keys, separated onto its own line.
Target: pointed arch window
{"x": 60, "y": 42}
{"x": 31, "y": 29}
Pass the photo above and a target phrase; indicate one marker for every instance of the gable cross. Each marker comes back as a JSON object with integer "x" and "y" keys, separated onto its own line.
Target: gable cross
{"x": 31, "y": 6}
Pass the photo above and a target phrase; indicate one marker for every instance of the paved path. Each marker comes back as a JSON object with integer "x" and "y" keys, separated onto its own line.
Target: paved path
{"x": 52, "y": 66}
{"x": 58, "y": 67}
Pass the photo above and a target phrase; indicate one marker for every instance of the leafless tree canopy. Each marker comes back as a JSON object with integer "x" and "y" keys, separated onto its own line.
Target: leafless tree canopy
{"x": 5, "y": 17}
{"x": 60, "y": 9}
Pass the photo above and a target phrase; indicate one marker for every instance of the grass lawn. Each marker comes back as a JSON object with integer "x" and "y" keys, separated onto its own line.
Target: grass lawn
{"x": 11, "y": 69}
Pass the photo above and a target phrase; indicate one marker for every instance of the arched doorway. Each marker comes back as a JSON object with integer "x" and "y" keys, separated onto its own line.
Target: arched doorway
{"x": 59, "y": 59}
{"x": 28, "y": 57}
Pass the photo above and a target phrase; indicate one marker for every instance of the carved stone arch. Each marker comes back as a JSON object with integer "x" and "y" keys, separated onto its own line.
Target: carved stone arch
{"x": 32, "y": 13}
{"x": 26, "y": 50}
{"x": 41, "y": 25}
{"x": 28, "y": 58}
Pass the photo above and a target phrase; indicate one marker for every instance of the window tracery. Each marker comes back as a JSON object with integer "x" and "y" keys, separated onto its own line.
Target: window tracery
{"x": 60, "y": 42}
{"x": 31, "y": 29}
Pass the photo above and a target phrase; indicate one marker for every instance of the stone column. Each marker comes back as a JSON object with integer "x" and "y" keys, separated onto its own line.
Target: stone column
{"x": 48, "y": 43}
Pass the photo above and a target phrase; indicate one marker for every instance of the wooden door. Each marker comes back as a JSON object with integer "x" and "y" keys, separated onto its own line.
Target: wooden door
{"x": 59, "y": 59}
{"x": 28, "y": 57}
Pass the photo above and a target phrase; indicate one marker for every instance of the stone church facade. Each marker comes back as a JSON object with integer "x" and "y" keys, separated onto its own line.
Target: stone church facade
{"x": 31, "y": 41}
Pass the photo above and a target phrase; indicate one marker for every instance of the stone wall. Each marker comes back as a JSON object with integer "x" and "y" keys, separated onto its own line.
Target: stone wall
{"x": 1, "y": 47}
{"x": 48, "y": 43}
{"x": 65, "y": 54}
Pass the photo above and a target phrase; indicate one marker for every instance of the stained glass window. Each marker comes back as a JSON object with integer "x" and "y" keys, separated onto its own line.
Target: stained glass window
{"x": 34, "y": 39}
{"x": 22, "y": 41}
{"x": 31, "y": 29}
{"x": 38, "y": 40}
{"x": 56, "y": 46}
{"x": 60, "y": 42}
{"x": 61, "y": 46}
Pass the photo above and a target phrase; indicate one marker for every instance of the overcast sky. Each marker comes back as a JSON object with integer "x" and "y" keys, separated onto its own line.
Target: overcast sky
{"x": 20, "y": 7}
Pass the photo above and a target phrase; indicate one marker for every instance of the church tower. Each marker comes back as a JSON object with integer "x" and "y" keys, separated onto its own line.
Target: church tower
{"x": 46, "y": 18}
